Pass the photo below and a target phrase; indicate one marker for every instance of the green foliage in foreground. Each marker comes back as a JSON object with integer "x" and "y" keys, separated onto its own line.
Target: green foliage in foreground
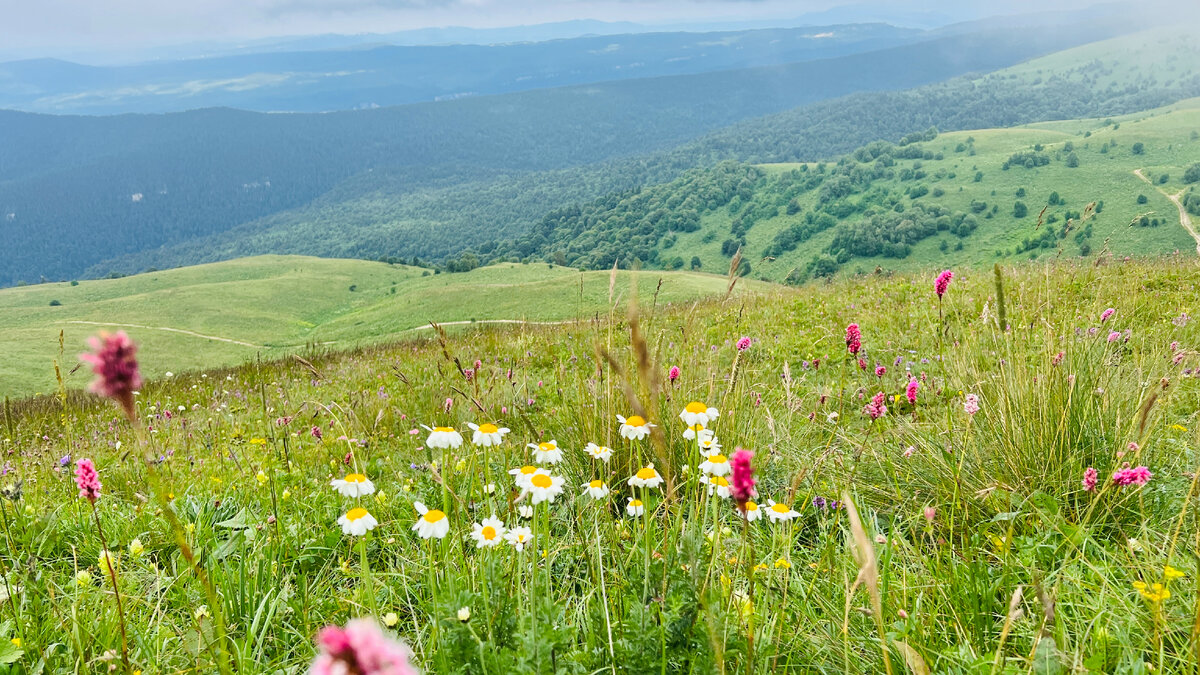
{"x": 991, "y": 556}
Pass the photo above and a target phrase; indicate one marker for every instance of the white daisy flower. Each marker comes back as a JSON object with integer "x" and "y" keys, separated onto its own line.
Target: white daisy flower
{"x": 600, "y": 452}
{"x": 489, "y": 533}
{"x": 720, "y": 485}
{"x": 546, "y": 453}
{"x": 635, "y": 508}
{"x": 519, "y": 537}
{"x": 780, "y": 513}
{"x": 431, "y": 524}
{"x": 544, "y": 487}
{"x": 710, "y": 445}
{"x": 442, "y": 438}
{"x": 716, "y": 465}
{"x": 522, "y": 474}
{"x": 353, "y": 485}
{"x": 697, "y": 431}
{"x": 753, "y": 513}
{"x": 487, "y": 434}
{"x": 596, "y": 489}
{"x": 698, "y": 413}
{"x": 646, "y": 477}
{"x": 635, "y": 428}
{"x": 525, "y": 511}
{"x": 357, "y": 522}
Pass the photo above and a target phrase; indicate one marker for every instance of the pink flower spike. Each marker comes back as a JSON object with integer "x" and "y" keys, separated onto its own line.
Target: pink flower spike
{"x": 942, "y": 283}
{"x": 853, "y": 339}
{"x": 113, "y": 360}
{"x": 742, "y": 477}
{"x": 876, "y": 408}
{"x": 87, "y": 480}
{"x": 673, "y": 374}
{"x": 1138, "y": 475}
{"x": 743, "y": 344}
{"x": 1090, "y": 476}
{"x": 1104, "y": 316}
{"x": 360, "y": 648}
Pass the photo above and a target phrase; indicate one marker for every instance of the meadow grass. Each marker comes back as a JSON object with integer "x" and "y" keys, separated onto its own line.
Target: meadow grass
{"x": 271, "y": 306}
{"x": 975, "y": 549}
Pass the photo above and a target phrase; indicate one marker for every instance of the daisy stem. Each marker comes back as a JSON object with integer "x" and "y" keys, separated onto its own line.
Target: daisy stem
{"x": 368, "y": 582}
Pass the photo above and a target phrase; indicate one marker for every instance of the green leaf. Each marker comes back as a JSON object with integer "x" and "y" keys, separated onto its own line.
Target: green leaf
{"x": 10, "y": 653}
{"x": 241, "y": 521}
{"x": 916, "y": 664}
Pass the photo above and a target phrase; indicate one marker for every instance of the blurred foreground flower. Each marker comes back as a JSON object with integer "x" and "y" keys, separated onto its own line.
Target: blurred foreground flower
{"x": 360, "y": 648}
{"x": 113, "y": 361}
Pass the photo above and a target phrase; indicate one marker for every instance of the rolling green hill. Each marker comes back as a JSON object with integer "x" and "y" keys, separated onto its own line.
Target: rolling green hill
{"x": 967, "y": 197}
{"x": 226, "y": 313}
{"x": 382, "y": 214}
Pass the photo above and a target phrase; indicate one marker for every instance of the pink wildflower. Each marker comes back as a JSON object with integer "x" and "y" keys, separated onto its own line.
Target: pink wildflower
{"x": 448, "y": 404}
{"x": 1090, "y": 476}
{"x": 478, "y": 365}
{"x": 113, "y": 361}
{"x": 853, "y": 339}
{"x": 87, "y": 480}
{"x": 742, "y": 478}
{"x": 862, "y": 364}
{"x": 469, "y": 374}
{"x": 316, "y": 432}
{"x": 360, "y": 648}
{"x": 911, "y": 391}
{"x": 1104, "y": 316}
{"x": 673, "y": 374}
{"x": 930, "y": 513}
{"x": 1057, "y": 358}
{"x": 971, "y": 404}
{"x": 942, "y": 283}
{"x": 743, "y": 344}
{"x": 876, "y": 408}
{"x": 1138, "y": 475}
{"x": 880, "y": 371}
{"x": 1114, "y": 336}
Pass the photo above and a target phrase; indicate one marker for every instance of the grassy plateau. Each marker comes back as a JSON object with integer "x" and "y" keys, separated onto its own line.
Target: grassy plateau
{"x": 966, "y": 494}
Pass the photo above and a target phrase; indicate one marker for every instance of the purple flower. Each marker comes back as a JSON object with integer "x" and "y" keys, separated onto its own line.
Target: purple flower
{"x": 1106, "y": 314}
{"x": 880, "y": 371}
{"x": 113, "y": 361}
{"x": 1138, "y": 475}
{"x": 360, "y": 648}
{"x": 1114, "y": 336}
{"x": 1090, "y": 476}
{"x": 942, "y": 283}
{"x": 87, "y": 480}
{"x": 743, "y": 344}
{"x": 742, "y": 478}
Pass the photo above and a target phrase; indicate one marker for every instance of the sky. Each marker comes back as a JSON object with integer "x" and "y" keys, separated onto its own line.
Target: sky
{"x": 87, "y": 24}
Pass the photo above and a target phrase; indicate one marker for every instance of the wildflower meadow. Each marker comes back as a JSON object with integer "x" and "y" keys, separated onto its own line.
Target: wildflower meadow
{"x": 960, "y": 471}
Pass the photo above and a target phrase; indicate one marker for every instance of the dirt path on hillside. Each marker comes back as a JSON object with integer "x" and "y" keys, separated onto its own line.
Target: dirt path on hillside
{"x": 169, "y": 330}
{"x": 1185, "y": 219}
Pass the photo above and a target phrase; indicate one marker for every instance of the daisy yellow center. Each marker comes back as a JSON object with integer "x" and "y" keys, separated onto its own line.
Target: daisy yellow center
{"x": 489, "y": 532}
{"x": 541, "y": 480}
{"x": 488, "y": 428}
{"x": 646, "y": 473}
{"x": 528, "y": 469}
{"x": 356, "y": 478}
{"x": 696, "y": 407}
{"x": 356, "y": 513}
{"x": 521, "y": 538}
{"x": 751, "y": 506}
{"x": 635, "y": 503}
{"x": 596, "y": 484}
{"x": 717, "y": 459}
{"x": 635, "y": 421}
{"x": 433, "y": 516}
{"x": 446, "y": 430}
{"x": 720, "y": 480}
{"x": 546, "y": 447}
{"x": 780, "y": 508}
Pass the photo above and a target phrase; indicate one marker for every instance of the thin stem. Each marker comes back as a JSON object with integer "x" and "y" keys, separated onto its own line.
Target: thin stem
{"x": 111, "y": 564}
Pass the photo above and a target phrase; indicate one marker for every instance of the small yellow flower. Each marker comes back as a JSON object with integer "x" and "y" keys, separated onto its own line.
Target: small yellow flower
{"x": 16, "y": 642}
{"x": 761, "y": 567}
{"x": 216, "y": 481}
{"x": 1178, "y": 427}
{"x": 1171, "y": 573}
{"x": 136, "y": 548}
{"x": 258, "y": 441}
{"x": 287, "y": 494}
{"x": 381, "y": 497}
{"x": 190, "y": 528}
{"x": 1154, "y": 593}
{"x": 201, "y": 612}
{"x": 390, "y": 619}
{"x": 460, "y": 466}
{"x": 83, "y": 578}
{"x": 782, "y": 564}
{"x": 261, "y": 478}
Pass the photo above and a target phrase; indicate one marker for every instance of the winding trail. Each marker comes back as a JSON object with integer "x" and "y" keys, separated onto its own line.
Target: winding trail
{"x": 169, "y": 330}
{"x": 1184, "y": 218}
